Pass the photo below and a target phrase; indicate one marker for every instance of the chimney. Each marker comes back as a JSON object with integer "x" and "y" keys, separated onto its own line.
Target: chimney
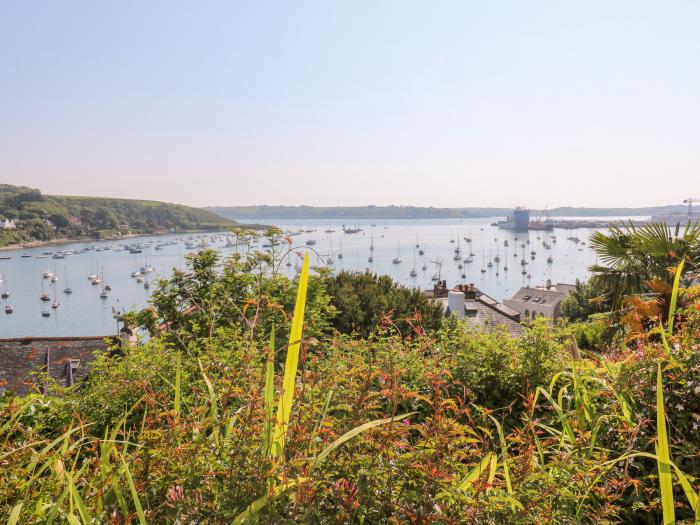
{"x": 455, "y": 303}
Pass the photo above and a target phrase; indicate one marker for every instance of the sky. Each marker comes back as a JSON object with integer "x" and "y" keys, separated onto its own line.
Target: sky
{"x": 429, "y": 103}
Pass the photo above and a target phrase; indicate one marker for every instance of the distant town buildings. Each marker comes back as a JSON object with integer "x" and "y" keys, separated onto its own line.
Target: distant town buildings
{"x": 482, "y": 311}
{"x": 540, "y": 301}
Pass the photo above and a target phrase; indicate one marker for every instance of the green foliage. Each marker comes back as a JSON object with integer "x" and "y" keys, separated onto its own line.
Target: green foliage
{"x": 583, "y": 302}
{"x": 95, "y": 217}
{"x": 507, "y": 430}
{"x": 366, "y": 302}
{"x": 643, "y": 260}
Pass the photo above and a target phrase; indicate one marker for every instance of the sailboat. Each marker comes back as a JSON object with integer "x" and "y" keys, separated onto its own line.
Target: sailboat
{"x": 417, "y": 243}
{"x": 549, "y": 259}
{"x": 458, "y": 251}
{"x": 44, "y": 296}
{"x": 340, "y": 254}
{"x": 329, "y": 260}
{"x": 397, "y": 259}
{"x": 67, "y": 289}
{"x": 5, "y": 293}
{"x": 483, "y": 270}
{"x": 413, "y": 271}
{"x": 505, "y": 266}
{"x": 55, "y": 303}
{"x": 489, "y": 264}
{"x": 437, "y": 275}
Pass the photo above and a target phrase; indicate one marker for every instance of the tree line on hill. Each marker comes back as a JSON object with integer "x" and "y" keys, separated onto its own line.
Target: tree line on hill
{"x": 45, "y": 217}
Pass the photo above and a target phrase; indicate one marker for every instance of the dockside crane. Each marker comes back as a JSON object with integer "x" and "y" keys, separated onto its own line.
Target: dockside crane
{"x": 689, "y": 201}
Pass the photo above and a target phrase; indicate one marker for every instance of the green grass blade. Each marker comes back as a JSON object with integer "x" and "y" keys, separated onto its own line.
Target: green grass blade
{"x": 504, "y": 455}
{"x": 664, "y": 455}
{"x": 14, "y": 514}
{"x": 213, "y": 403}
{"x": 249, "y": 515}
{"x": 134, "y": 494}
{"x": 178, "y": 373}
{"x": 284, "y": 409}
{"x": 474, "y": 473}
{"x": 269, "y": 395}
{"x": 352, "y": 433}
{"x": 674, "y": 296}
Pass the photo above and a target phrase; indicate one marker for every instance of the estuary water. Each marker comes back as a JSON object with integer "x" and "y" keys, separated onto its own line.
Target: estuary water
{"x": 84, "y": 312}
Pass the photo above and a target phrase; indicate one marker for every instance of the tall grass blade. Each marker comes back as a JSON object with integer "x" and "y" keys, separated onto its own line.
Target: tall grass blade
{"x": 664, "y": 455}
{"x": 178, "y": 374}
{"x": 269, "y": 395}
{"x": 14, "y": 514}
{"x": 213, "y": 402}
{"x": 674, "y": 296}
{"x": 474, "y": 473}
{"x": 249, "y": 515}
{"x": 352, "y": 433}
{"x": 284, "y": 409}
{"x": 134, "y": 494}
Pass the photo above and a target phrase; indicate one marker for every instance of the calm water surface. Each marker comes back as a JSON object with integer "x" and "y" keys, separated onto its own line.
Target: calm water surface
{"x": 84, "y": 313}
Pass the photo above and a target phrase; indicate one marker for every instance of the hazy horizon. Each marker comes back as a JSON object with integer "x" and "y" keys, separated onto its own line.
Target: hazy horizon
{"x": 451, "y": 104}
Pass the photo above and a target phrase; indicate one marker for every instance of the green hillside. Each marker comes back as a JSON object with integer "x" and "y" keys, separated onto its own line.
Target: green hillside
{"x": 46, "y": 217}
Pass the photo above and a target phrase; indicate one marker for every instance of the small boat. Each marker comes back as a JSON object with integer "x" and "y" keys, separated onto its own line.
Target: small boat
{"x": 135, "y": 273}
{"x": 413, "y": 273}
{"x": 311, "y": 242}
{"x": 45, "y": 314}
{"x": 370, "y": 259}
{"x": 139, "y": 279}
{"x": 8, "y": 309}
{"x": 45, "y": 297}
{"x": 108, "y": 288}
{"x": 397, "y": 259}
{"x": 48, "y": 275}
{"x": 92, "y": 276}
{"x": 68, "y": 290}
{"x": 146, "y": 285}
{"x": 424, "y": 267}
{"x": 55, "y": 304}
{"x": 96, "y": 281}
{"x": 104, "y": 294}
{"x": 25, "y": 256}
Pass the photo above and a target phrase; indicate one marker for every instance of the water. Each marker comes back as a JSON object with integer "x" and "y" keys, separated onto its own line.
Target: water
{"x": 85, "y": 313}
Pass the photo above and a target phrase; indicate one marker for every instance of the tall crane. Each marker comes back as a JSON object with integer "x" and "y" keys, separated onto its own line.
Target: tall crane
{"x": 689, "y": 201}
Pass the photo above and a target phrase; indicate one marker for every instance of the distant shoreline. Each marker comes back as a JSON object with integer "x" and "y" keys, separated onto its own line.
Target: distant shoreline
{"x": 70, "y": 240}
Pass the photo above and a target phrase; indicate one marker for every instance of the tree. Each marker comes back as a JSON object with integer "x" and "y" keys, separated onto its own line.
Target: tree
{"x": 363, "y": 300}
{"x": 585, "y": 300}
{"x": 643, "y": 260}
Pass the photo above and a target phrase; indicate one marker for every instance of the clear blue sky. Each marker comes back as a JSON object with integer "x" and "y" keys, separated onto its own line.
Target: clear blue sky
{"x": 336, "y": 103}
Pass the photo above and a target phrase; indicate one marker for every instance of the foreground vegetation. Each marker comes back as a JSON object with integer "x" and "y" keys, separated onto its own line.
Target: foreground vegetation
{"x": 257, "y": 399}
{"x": 93, "y": 217}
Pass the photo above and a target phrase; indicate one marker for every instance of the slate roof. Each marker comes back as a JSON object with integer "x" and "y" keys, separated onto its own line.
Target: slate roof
{"x": 21, "y": 359}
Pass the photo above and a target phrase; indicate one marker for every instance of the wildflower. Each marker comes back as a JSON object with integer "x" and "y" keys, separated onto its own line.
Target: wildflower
{"x": 174, "y": 495}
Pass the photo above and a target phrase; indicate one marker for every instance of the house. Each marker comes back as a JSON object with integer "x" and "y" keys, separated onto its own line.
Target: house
{"x": 8, "y": 224}
{"x": 539, "y": 301}
{"x": 25, "y": 361}
{"x": 476, "y": 308}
